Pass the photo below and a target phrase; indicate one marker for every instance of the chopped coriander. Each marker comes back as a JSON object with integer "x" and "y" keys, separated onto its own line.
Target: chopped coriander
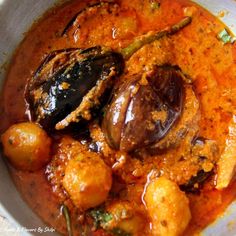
{"x": 100, "y": 217}
{"x": 107, "y": 217}
{"x": 225, "y": 37}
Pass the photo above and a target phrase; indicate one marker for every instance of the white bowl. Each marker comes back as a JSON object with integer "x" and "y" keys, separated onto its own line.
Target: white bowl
{"x": 16, "y": 16}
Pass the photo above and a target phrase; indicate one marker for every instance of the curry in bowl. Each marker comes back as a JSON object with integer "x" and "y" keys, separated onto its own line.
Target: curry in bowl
{"x": 119, "y": 117}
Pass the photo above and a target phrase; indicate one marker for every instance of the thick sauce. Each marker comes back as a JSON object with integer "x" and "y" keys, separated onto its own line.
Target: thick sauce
{"x": 195, "y": 49}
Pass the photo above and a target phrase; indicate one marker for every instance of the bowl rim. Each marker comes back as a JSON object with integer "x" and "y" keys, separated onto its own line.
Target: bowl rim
{"x": 12, "y": 205}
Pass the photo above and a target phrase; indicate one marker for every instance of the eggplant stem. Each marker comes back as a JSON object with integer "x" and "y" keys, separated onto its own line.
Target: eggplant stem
{"x": 150, "y": 37}
{"x": 66, "y": 214}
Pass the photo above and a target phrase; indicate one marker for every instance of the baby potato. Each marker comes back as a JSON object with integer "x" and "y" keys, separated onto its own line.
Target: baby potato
{"x": 87, "y": 180}
{"x": 168, "y": 207}
{"x": 125, "y": 218}
{"x": 27, "y": 146}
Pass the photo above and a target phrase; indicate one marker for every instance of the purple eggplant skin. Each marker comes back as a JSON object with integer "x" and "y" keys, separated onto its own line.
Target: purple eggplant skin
{"x": 65, "y": 77}
{"x": 195, "y": 184}
{"x": 144, "y": 108}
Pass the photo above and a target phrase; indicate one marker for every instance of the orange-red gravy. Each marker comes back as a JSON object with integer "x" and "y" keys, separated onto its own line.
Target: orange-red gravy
{"x": 196, "y": 49}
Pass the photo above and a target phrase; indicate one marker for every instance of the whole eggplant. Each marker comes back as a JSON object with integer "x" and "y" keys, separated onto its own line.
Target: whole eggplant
{"x": 144, "y": 108}
{"x": 65, "y": 78}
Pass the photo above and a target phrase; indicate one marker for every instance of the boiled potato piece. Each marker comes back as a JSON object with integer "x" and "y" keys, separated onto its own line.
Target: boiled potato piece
{"x": 124, "y": 217}
{"x": 27, "y": 146}
{"x": 87, "y": 180}
{"x": 168, "y": 207}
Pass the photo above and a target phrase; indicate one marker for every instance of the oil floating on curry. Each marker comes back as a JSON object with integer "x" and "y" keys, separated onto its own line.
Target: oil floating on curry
{"x": 119, "y": 118}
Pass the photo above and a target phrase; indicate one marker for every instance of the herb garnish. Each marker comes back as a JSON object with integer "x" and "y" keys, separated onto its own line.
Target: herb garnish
{"x": 225, "y": 37}
{"x": 100, "y": 217}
